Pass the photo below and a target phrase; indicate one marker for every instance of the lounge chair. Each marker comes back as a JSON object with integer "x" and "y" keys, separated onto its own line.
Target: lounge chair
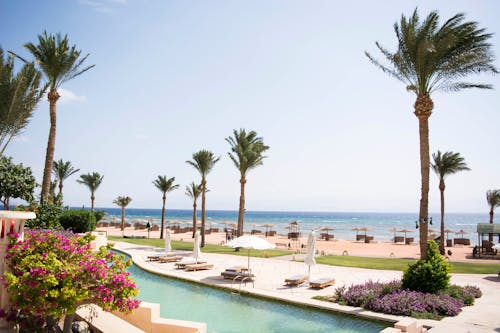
{"x": 198, "y": 267}
{"x": 157, "y": 258}
{"x": 295, "y": 280}
{"x": 191, "y": 261}
{"x": 169, "y": 259}
{"x": 233, "y": 275}
{"x": 321, "y": 283}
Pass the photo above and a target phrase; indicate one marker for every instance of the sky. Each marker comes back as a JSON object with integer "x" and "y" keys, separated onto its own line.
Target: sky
{"x": 175, "y": 77}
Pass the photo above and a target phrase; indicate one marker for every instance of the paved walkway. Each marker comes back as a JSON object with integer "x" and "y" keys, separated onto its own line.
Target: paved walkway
{"x": 270, "y": 274}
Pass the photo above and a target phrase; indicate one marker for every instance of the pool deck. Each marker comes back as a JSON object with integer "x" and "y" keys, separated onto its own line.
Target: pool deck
{"x": 271, "y": 273}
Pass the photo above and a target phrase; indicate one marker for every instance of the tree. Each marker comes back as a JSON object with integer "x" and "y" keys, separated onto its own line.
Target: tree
{"x": 52, "y": 274}
{"x": 193, "y": 191}
{"x": 493, "y": 198}
{"x": 122, "y": 202}
{"x": 246, "y": 154}
{"x": 431, "y": 58}
{"x": 16, "y": 181}
{"x": 60, "y": 63}
{"x": 444, "y": 165}
{"x": 203, "y": 161}
{"x": 164, "y": 185}
{"x": 62, "y": 171}
{"x": 20, "y": 93}
{"x": 92, "y": 181}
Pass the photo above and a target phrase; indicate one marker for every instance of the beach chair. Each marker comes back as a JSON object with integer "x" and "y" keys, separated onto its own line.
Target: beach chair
{"x": 169, "y": 259}
{"x": 295, "y": 280}
{"x": 158, "y": 257}
{"x": 183, "y": 263}
{"x": 198, "y": 267}
{"x": 321, "y": 283}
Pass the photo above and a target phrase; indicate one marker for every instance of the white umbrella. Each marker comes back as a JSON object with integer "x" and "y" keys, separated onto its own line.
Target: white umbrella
{"x": 250, "y": 242}
{"x": 196, "y": 247}
{"x": 168, "y": 247}
{"x": 311, "y": 250}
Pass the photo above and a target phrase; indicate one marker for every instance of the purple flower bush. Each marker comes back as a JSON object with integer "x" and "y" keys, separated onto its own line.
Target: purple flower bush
{"x": 52, "y": 274}
{"x": 391, "y": 298}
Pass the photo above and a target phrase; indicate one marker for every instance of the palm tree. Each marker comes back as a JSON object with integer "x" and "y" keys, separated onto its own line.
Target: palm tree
{"x": 59, "y": 62}
{"x": 246, "y": 154}
{"x": 493, "y": 198}
{"x": 122, "y": 202}
{"x": 193, "y": 191}
{"x": 92, "y": 181}
{"x": 164, "y": 185}
{"x": 62, "y": 171}
{"x": 203, "y": 161}
{"x": 20, "y": 93}
{"x": 444, "y": 165}
{"x": 431, "y": 58}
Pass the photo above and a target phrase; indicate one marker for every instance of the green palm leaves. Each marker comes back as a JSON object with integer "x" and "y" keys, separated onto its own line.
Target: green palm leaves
{"x": 123, "y": 202}
{"x": 446, "y": 164}
{"x": 203, "y": 161}
{"x": 62, "y": 171}
{"x": 164, "y": 185}
{"x": 59, "y": 62}
{"x": 246, "y": 154}
{"x": 92, "y": 181}
{"x": 193, "y": 191}
{"x": 20, "y": 93}
{"x": 493, "y": 198}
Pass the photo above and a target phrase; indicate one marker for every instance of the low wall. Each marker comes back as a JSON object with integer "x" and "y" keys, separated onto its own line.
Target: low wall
{"x": 147, "y": 318}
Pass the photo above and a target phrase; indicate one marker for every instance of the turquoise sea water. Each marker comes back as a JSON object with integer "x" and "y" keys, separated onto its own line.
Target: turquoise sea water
{"x": 342, "y": 222}
{"x": 225, "y": 312}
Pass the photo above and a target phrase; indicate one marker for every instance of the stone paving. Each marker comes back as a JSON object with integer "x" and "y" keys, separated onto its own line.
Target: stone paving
{"x": 270, "y": 274}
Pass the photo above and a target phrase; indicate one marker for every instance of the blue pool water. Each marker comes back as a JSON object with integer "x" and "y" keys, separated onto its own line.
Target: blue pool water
{"x": 225, "y": 312}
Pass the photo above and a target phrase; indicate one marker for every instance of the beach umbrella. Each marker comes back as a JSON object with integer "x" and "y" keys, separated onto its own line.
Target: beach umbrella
{"x": 447, "y": 231}
{"x": 196, "y": 247}
{"x": 405, "y": 231}
{"x": 461, "y": 232}
{"x": 365, "y": 229}
{"x": 168, "y": 246}
{"x": 356, "y": 229}
{"x": 250, "y": 242}
{"x": 394, "y": 230}
{"x": 327, "y": 229}
{"x": 432, "y": 231}
{"x": 311, "y": 251}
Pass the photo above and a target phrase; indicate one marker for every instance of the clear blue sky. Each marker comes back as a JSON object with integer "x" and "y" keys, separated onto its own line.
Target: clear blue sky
{"x": 174, "y": 77}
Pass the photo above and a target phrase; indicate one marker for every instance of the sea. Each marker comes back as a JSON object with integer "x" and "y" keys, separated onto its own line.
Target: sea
{"x": 380, "y": 225}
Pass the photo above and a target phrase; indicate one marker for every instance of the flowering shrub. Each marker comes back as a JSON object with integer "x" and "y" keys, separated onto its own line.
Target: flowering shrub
{"x": 52, "y": 274}
{"x": 391, "y": 298}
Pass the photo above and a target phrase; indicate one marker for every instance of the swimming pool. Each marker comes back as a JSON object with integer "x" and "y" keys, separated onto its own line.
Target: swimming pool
{"x": 225, "y": 312}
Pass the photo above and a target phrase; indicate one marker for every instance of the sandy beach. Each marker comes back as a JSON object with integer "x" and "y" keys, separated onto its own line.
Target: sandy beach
{"x": 333, "y": 246}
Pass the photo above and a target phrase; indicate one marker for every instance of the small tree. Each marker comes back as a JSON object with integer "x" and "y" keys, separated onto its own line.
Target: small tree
{"x": 493, "y": 198}
{"x": 92, "y": 181}
{"x": 430, "y": 275}
{"x": 62, "y": 170}
{"x": 52, "y": 275}
{"x": 16, "y": 181}
{"x": 193, "y": 191}
{"x": 122, "y": 202}
{"x": 164, "y": 185}
{"x": 47, "y": 215}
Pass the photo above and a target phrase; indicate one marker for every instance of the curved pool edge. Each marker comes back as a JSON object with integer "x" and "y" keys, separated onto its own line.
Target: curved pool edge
{"x": 256, "y": 292}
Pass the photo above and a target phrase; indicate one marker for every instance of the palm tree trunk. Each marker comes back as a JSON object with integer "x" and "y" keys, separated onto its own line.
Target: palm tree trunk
{"x": 423, "y": 110}
{"x": 92, "y": 198}
{"x": 490, "y": 236}
{"x": 123, "y": 218}
{"x": 60, "y": 191}
{"x": 194, "y": 217}
{"x": 163, "y": 216}
{"x": 204, "y": 188}
{"x": 241, "y": 211}
{"x": 53, "y": 96}
{"x": 441, "y": 240}
{"x": 6, "y": 204}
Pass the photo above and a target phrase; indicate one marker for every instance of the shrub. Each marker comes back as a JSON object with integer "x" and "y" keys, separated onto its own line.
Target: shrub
{"x": 79, "y": 221}
{"x": 47, "y": 215}
{"x": 53, "y": 274}
{"x": 430, "y": 275}
{"x": 467, "y": 294}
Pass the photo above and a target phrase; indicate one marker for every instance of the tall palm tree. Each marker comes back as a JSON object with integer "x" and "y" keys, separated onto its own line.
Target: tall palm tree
{"x": 20, "y": 92}
{"x": 203, "y": 161}
{"x": 164, "y": 185}
{"x": 444, "y": 165}
{"x": 122, "y": 202}
{"x": 493, "y": 198}
{"x": 431, "y": 58}
{"x": 92, "y": 181}
{"x": 246, "y": 154}
{"x": 59, "y": 62}
{"x": 62, "y": 171}
{"x": 193, "y": 191}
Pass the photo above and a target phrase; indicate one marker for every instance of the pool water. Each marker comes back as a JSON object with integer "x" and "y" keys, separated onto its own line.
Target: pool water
{"x": 226, "y": 312}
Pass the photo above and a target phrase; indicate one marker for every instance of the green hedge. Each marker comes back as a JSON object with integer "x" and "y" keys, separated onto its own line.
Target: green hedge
{"x": 78, "y": 221}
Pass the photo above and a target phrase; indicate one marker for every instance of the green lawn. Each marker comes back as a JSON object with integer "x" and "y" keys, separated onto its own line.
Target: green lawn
{"x": 209, "y": 248}
{"x": 399, "y": 264}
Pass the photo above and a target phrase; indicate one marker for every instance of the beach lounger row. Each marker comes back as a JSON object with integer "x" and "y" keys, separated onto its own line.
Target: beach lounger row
{"x": 320, "y": 283}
